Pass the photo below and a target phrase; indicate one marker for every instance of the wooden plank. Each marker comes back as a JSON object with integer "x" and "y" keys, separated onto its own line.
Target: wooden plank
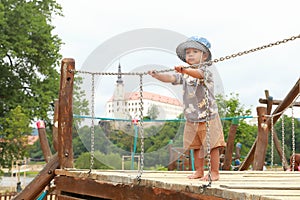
{"x": 65, "y": 113}
{"x": 294, "y": 92}
{"x": 230, "y": 146}
{"x": 262, "y": 139}
{"x": 276, "y": 102}
{"x": 249, "y": 158}
{"x": 263, "y": 185}
{"x": 55, "y": 126}
{"x": 64, "y": 197}
{"x": 93, "y": 188}
{"x": 44, "y": 141}
{"x": 38, "y": 184}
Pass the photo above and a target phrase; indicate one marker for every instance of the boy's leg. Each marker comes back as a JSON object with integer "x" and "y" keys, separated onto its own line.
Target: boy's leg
{"x": 199, "y": 165}
{"x": 214, "y": 161}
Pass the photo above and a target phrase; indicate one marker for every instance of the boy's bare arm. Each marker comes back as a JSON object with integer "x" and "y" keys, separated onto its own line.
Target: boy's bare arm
{"x": 189, "y": 71}
{"x": 168, "y": 78}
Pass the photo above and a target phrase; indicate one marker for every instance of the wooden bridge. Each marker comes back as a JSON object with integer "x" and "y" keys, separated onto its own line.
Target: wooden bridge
{"x": 74, "y": 184}
{"x": 254, "y": 185}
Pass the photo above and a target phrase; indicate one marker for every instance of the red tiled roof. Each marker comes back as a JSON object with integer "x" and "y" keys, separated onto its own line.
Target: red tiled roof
{"x": 150, "y": 96}
{"x": 153, "y": 97}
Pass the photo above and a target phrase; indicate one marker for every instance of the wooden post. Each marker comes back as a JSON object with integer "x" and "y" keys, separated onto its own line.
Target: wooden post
{"x": 262, "y": 139}
{"x": 230, "y": 144}
{"x": 249, "y": 158}
{"x": 282, "y": 105}
{"x": 44, "y": 141}
{"x": 38, "y": 184}
{"x": 65, "y": 114}
{"x": 269, "y": 102}
{"x": 55, "y": 126}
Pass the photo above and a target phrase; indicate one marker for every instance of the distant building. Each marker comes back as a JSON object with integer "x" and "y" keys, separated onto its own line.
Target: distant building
{"x": 127, "y": 105}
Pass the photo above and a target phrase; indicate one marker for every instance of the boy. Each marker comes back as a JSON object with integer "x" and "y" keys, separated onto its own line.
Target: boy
{"x": 195, "y": 51}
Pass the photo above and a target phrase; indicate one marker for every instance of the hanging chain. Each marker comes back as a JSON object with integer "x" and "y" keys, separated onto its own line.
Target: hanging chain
{"x": 93, "y": 127}
{"x": 207, "y": 124}
{"x": 282, "y": 137}
{"x": 205, "y": 63}
{"x": 167, "y": 70}
{"x": 255, "y": 49}
{"x": 272, "y": 142}
{"x": 141, "y": 129}
{"x": 293, "y": 139}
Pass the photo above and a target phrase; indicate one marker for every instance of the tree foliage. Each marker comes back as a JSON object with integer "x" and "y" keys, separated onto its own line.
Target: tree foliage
{"x": 29, "y": 54}
{"x": 29, "y": 79}
{"x": 230, "y": 108}
{"x": 14, "y": 130}
{"x": 153, "y": 111}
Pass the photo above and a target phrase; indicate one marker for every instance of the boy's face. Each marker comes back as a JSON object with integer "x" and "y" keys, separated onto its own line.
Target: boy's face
{"x": 195, "y": 56}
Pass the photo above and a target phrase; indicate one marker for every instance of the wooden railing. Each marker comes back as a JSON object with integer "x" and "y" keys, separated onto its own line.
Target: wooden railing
{"x": 10, "y": 195}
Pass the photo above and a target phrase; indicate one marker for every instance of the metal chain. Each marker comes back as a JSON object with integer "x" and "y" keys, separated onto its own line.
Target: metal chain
{"x": 141, "y": 129}
{"x": 272, "y": 142}
{"x": 167, "y": 70}
{"x": 282, "y": 137}
{"x": 234, "y": 55}
{"x": 293, "y": 139}
{"x": 93, "y": 127}
{"x": 255, "y": 49}
{"x": 113, "y": 73}
{"x": 207, "y": 124}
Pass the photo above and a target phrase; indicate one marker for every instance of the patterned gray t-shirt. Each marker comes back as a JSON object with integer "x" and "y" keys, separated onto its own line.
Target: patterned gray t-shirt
{"x": 194, "y": 96}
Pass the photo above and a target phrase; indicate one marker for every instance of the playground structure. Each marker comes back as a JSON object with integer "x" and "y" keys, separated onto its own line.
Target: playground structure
{"x": 69, "y": 181}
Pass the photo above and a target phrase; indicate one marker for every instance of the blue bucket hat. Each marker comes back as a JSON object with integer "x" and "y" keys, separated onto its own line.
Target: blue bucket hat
{"x": 193, "y": 42}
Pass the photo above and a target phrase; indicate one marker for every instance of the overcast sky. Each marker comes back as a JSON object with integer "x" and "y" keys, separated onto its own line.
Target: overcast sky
{"x": 230, "y": 26}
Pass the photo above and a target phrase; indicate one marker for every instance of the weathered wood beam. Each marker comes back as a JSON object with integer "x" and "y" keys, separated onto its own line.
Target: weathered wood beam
{"x": 55, "y": 126}
{"x": 287, "y": 101}
{"x": 262, "y": 139}
{"x": 44, "y": 141}
{"x": 249, "y": 158}
{"x": 65, "y": 113}
{"x": 38, "y": 184}
{"x": 230, "y": 145}
{"x": 294, "y": 92}
{"x": 276, "y": 102}
{"x": 70, "y": 188}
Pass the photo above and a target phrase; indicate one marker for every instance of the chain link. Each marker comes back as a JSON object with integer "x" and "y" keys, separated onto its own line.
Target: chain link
{"x": 255, "y": 49}
{"x": 207, "y": 124}
{"x": 282, "y": 137}
{"x": 93, "y": 127}
{"x": 272, "y": 142}
{"x": 168, "y": 70}
{"x": 141, "y": 122}
{"x": 234, "y": 55}
{"x": 293, "y": 139}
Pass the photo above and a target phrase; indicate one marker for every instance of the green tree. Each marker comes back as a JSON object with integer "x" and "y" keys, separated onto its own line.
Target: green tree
{"x": 29, "y": 54}
{"x": 153, "y": 111}
{"x": 285, "y": 129}
{"x": 80, "y": 103}
{"x": 14, "y": 130}
{"x": 231, "y": 108}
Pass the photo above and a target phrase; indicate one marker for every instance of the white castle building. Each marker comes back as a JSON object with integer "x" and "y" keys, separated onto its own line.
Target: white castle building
{"x": 127, "y": 105}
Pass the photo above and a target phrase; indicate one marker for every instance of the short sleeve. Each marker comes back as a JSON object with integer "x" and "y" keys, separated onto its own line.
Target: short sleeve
{"x": 178, "y": 79}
